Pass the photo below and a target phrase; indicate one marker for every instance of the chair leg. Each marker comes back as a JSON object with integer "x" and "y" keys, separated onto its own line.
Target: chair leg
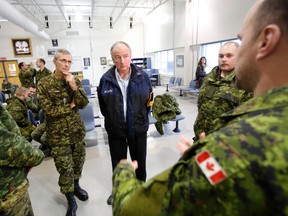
{"x": 176, "y": 129}
{"x": 181, "y": 93}
{"x": 167, "y": 90}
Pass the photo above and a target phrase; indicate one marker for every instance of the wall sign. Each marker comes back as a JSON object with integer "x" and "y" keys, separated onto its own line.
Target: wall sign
{"x": 22, "y": 47}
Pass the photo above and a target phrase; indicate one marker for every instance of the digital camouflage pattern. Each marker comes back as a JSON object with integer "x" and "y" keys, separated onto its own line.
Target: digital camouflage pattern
{"x": 39, "y": 134}
{"x": 165, "y": 107}
{"x": 8, "y": 88}
{"x": 251, "y": 147}
{"x": 216, "y": 97}
{"x": 17, "y": 157}
{"x": 19, "y": 111}
{"x": 40, "y": 74}
{"x": 26, "y": 77}
{"x": 65, "y": 128}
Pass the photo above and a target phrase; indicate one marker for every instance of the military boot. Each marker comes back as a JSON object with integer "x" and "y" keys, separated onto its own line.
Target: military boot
{"x": 72, "y": 205}
{"x": 79, "y": 192}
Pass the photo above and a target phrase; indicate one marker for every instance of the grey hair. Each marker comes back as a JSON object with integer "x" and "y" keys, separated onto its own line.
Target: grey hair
{"x": 117, "y": 43}
{"x": 231, "y": 42}
{"x": 61, "y": 51}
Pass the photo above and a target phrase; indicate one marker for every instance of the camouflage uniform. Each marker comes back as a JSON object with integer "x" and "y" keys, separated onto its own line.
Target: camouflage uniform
{"x": 7, "y": 88}
{"x": 217, "y": 96}
{"x": 17, "y": 157}
{"x": 65, "y": 129}
{"x": 26, "y": 77}
{"x": 19, "y": 111}
{"x": 165, "y": 107}
{"x": 251, "y": 148}
{"x": 33, "y": 104}
{"x": 40, "y": 74}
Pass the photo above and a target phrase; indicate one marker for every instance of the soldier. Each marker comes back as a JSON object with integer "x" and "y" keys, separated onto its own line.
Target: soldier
{"x": 7, "y": 89}
{"x": 19, "y": 111}
{"x": 125, "y": 98}
{"x": 43, "y": 71}
{"x": 218, "y": 93}
{"x": 32, "y": 101}
{"x": 17, "y": 157}
{"x": 26, "y": 74}
{"x": 240, "y": 169}
{"x": 61, "y": 95}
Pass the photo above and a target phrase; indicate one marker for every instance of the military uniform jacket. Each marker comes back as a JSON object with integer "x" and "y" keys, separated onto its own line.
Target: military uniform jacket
{"x": 63, "y": 124}
{"x": 217, "y": 96}
{"x": 8, "y": 86}
{"x": 251, "y": 147}
{"x": 26, "y": 77}
{"x": 18, "y": 110}
{"x": 139, "y": 102}
{"x": 16, "y": 156}
{"x": 40, "y": 74}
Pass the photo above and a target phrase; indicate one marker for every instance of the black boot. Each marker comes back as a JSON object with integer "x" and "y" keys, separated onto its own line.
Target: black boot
{"x": 79, "y": 192}
{"x": 72, "y": 205}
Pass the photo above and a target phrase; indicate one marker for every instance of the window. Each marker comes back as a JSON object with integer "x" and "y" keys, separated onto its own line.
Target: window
{"x": 211, "y": 51}
{"x": 164, "y": 61}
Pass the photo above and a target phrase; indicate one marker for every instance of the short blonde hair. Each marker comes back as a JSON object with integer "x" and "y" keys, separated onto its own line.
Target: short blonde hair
{"x": 21, "y": 91}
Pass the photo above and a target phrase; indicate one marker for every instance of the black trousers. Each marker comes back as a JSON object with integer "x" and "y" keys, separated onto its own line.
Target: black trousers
{"x": 138, "y": 150}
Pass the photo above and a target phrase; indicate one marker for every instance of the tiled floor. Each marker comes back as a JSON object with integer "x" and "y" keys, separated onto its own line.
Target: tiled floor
{"x": 96, "y": 179}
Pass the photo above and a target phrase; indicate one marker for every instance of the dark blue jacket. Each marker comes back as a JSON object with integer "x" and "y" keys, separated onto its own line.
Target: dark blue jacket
{"x": 139, "y": 101}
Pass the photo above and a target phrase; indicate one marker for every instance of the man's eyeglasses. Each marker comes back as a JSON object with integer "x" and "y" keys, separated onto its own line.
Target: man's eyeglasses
{"x": 64, "y": 61}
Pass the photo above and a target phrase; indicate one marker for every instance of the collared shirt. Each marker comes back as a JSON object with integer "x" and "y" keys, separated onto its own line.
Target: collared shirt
{"x": 123, "y": 86}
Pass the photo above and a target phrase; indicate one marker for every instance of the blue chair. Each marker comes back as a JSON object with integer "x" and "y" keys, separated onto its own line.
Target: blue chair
{"x": 85, "y": 82}
{"x": 2, "y": 97}
{"x": 190, "y": 89}
{"x": 88, "y": 117}
{"x": 15, "y": 86}
{"x": 88, "y": 91}
{"x": 171, "y": 83}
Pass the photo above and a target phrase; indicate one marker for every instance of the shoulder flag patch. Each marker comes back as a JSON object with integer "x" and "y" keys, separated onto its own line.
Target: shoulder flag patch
{"x": 210, "y": 167}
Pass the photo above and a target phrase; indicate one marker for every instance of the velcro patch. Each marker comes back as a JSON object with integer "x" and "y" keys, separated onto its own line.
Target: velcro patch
{"x": 210, "y": 167}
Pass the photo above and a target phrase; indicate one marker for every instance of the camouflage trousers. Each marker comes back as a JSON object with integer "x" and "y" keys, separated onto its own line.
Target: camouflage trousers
{"x": 26, "y": 132}
{"x": 69, "y": 161}
{"x": 21, "y": 208}
{"x": 39, "y": 134}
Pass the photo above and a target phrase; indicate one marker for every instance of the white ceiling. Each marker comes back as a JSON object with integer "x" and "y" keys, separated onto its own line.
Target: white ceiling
{"x": 95, "y": 10}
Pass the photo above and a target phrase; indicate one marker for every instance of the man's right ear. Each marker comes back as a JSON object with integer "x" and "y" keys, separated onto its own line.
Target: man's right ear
{"x": 268, "y": 40}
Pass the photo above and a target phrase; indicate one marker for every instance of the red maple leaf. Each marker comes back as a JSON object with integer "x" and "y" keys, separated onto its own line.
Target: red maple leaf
{"x": 210, "y": 166}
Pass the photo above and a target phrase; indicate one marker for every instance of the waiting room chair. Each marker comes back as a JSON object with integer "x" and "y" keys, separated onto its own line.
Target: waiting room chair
{"x": 190, "y": 89}
{"x": 2, "y": 97}
{"x": 171, "y": 83}
{"x": 88, "y": 117}
{"x": 85, "y": 82}
{"x": 88, "y": 91}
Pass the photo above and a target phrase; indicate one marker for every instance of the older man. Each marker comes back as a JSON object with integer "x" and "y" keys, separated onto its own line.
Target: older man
{"x": 61, "y": 95}
{"x": 125, "y": 95}
{"x": 219, "y": 93}
{"x": 240, "y": 169}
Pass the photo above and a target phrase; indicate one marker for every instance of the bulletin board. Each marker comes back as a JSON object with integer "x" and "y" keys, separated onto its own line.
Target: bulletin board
{"x": 2, "y": 73}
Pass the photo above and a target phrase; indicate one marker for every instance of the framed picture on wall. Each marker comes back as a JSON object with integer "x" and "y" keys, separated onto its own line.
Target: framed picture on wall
{"x": 22, "y": 47}
{"x": 180, "y": 60}
{"x": 103, "y": 61}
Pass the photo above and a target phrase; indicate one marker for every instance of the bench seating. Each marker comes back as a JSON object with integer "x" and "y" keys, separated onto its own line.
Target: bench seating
{"x": 178, "y": 118}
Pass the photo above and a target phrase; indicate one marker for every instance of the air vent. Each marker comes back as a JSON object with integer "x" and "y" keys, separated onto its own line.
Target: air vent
{"x": 72, "y": 33}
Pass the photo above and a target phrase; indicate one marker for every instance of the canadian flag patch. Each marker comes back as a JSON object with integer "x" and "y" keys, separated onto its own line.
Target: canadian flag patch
{"x": 210, "y": 167}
